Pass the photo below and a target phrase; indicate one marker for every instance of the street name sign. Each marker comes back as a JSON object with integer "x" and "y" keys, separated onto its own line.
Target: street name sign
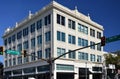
{"x": 113, "y": 38}
{"x": 12, "y": 52}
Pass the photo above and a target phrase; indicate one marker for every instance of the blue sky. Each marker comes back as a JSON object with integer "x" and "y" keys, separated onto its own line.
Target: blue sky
{"x": 104, "y": 12}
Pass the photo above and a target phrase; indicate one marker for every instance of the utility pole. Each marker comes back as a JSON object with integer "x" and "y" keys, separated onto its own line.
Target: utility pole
{"x": 50, "y": 61}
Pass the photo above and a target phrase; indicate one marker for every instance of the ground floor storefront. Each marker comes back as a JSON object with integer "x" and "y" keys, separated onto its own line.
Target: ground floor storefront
{"x": 61, "y": 70}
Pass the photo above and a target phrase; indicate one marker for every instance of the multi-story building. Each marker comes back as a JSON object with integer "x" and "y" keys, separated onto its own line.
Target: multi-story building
{"x": 54, "y": 30}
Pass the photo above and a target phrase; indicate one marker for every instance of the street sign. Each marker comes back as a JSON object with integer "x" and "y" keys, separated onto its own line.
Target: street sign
{"x": 113, "y": 38}
{"x": 12, "y": 52}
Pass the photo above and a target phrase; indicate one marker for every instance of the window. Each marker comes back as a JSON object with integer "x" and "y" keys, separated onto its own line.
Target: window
{"x": 71, "y": 39}
{"x": 82, "y": 55}
{"x": 10, "y": 62}
{"x": 5, "y": 42}
{"x": 32, "y": 42}
{"x": 65, "y": 67}
{"x": 92, "y": 32}
{"x": 47, "y": 36}
{"x": 25, "y": 31}
{"x": 92, "y": 57}
{"x": 29, "y": 70}
{"x": 60, "y": 51}
{"x": 60, "y": 36}
{"x": 39, "y": 24}
{"x": 98, "y": 35}
{"x": 82, "y": 28}
{"x": 32, "y": 56}
{"x": 60, "y": 19}
{"x": 99, "y": 47}
{"x": 6, "y": 64}
{"x": 47, "y": 20}
{"x": 19, "y": 47}
{"x": 92, "y": 43}
{"x": 13, "y": 38}
{"x": 9, "y": 40}
{"x": 72, "y": 55}
{"x": 26, "y": 59}
{"x": 14, "y": 61}
{"x": 99, "y": 58}
{"x": 20, "y": 60}
{"x": 39, "y": 40}
{"x": 19, "y": 35}
{"x": 47, "y": 52}
{"x": 32, "y": 28}
{"x": 82, "y": 42}
{"x": 39, "y": 54}
{"x": 25, "y": 45}
{"x": 71, "y": 24}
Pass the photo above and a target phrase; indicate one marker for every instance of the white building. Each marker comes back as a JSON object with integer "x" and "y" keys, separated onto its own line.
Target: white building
{"x": 54, "y": 29}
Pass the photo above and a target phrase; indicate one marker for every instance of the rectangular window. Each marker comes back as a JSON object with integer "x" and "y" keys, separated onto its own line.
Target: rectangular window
{"x": 9, "y": 40}
{"x": 60, "y": 19}
{"x": 10, "y": 62}
{"x": 20, "y": 60}
{"x": 92, "y": 32}
{"x": 39, "y": 24}
{"x": 47, "y": 36}
{"x": 13, "y": 38}
{"x": 14, "y": 61}
{"x": 25, "y": 45}
{"x": 26, "y": 59}
{"x": 98, "y": 35}
{"x": 60, "y": 51}
{"x": 99, "y": 58}
{"x": 72, "y": 55}
{"x": 82, "y": 56}
{"x": 71, "y": 24}
{"x": 92, "y": 57}
{"x": 39, "y": 54}
{"x": 5, "y": 42}
{"x": 32, "y": 42}
{"x": 65, "y": 67}
{"x": 19, "y": 47}
{"x": 47, "y": 20}
{"x": 19, "y": 35}
{"x": 71, "y": 39}
{"x": 39, "y": 40}
{"x": 60, "y": 36}
{"x": 82, "y": 42}
{"x": 6, "y": 64}
{"x": 32, "y": 28}
{"x": 25, "y": 31}
{"x": 33, "y": 56}
{"x": 82, "y": 28}
{"x": 92, "y": 43}
{"x": 99, "y": 47}
{"x": 47, "y": 52}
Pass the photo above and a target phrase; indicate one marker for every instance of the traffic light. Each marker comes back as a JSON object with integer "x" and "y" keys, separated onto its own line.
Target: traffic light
{"x": 1, "y": 50}
{"x": 24, "y": 53}
{"x": 103, "y": 41}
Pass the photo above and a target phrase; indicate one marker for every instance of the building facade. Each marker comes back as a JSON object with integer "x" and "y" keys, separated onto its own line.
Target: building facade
{"x": 54, "y": 30}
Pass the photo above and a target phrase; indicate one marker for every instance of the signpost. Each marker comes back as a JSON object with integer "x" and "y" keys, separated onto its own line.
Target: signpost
{"x": 12, "y": 52}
